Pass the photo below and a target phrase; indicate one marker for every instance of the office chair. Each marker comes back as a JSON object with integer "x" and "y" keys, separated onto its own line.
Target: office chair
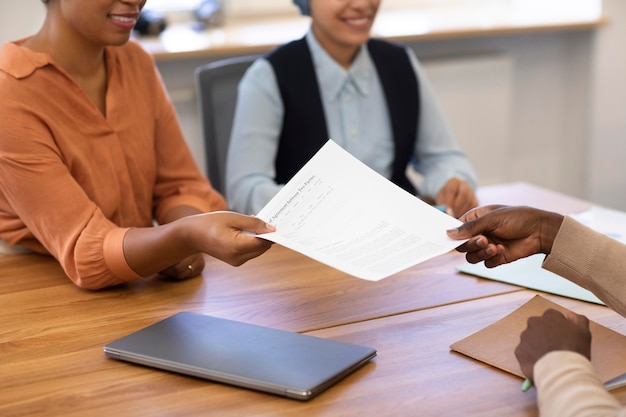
{"x": 216, "y": 88}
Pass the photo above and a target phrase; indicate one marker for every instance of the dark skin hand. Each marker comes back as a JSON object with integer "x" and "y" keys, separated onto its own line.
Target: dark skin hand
{"x": 192, "y": 265}
{"x": 502, "y": 234}
{"x": 552, "y": 331}
{"x": 170, "y": 248}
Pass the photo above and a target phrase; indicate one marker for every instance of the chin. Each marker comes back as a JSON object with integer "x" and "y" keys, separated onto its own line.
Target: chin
{"x": 357, "y": 39}
{"x": 119, "y": 40}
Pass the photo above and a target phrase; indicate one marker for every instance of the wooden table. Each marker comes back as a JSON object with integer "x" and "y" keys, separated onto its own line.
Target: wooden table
{"x": 51, "y": 359}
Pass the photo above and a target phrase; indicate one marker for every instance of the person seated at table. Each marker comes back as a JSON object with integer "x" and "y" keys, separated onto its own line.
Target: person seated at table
{"x": 91, "y": 154}
{"x": 554, "y": 350}
{"x": 370, "y": 96}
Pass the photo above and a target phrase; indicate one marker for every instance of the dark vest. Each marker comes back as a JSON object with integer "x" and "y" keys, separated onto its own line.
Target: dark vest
{"x": 304, "y": 124}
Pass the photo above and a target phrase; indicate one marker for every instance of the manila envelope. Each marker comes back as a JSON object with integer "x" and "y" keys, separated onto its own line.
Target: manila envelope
{"x": 496, "y": 343}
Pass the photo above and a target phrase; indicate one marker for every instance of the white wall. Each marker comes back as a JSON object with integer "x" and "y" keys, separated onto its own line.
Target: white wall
{"x": 606, "y": 182}
{"x": 20, "y": 18}
{"x": 479, "y": 105}
{"x": 519, "y": 105}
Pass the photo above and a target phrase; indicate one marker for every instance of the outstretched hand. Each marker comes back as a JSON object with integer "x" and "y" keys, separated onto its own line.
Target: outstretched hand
{"x": 175, "y": 249}
{"x": 230, "y": 236}
{"x": 501, "y": 234}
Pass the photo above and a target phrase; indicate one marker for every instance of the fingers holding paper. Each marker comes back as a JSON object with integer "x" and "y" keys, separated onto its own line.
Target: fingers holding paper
{"x": 501, "y": 234}
{"x": 239, "y": 230}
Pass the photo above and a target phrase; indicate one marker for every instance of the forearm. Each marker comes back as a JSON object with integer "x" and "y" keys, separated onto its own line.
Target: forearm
{"x": 567, "y": 386}
{"x": 592, "y": 260}
{"x": 149, "y": 250}
{"x": 227, "y": 236}
{"x": 179, "y": 212}
{"x": 257, "y": 125}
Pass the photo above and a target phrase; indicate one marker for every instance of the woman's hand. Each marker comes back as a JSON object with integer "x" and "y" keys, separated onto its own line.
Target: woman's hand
{"x": 230, "y": 236}
{"x": 175, "y": 249}
{"x": 187, "y": 268}
{"x": 549, "y": 332}
{"x": 501, "y": 234}
{"x": 457, "y": 196}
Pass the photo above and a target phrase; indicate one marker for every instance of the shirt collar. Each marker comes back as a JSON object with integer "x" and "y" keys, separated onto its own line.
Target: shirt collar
{"x": 333, "y": 78}
{"x": 20, "y": 62}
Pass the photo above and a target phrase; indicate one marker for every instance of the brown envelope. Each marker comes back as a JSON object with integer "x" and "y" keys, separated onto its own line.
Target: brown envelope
{"x": 495, "y": 344}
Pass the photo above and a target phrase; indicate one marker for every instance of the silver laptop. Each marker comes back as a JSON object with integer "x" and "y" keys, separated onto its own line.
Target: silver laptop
{"x": 250, "y": 356}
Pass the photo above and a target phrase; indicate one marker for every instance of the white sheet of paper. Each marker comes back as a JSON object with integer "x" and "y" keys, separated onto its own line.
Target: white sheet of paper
{"x": 340, "y": 212}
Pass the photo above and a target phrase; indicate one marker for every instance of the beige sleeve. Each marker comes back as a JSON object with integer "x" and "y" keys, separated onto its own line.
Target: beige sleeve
{"x": 568, "y": 386}
{"x": 592, "y": 260}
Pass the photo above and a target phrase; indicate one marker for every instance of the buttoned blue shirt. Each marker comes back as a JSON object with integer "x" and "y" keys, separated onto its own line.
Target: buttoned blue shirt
{"x": 356, "y": 117}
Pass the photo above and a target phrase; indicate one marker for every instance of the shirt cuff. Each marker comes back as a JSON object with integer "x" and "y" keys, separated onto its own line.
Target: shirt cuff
{"x": 114, "y": 255}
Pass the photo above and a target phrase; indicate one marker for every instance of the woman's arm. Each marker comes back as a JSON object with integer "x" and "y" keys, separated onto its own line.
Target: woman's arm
{"x": 253, "y": 145}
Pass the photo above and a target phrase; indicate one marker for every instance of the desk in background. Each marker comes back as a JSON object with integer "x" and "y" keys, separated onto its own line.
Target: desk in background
{"x": 51, "y": 359}
{"x": 418, "y": 23}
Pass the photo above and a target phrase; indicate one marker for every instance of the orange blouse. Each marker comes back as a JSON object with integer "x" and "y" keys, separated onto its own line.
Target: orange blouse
{"x": 72, "y": 181}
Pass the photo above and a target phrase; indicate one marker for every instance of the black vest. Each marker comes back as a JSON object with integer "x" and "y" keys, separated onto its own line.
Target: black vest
{"x": 304, "y": 124}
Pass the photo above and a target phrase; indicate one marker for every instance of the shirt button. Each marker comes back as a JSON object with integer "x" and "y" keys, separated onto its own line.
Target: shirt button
{"x": 347, "y": 97}
{"x": 352, "y": 132}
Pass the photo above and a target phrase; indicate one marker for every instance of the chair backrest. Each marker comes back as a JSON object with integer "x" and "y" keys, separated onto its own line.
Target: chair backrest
{"x": 216, "y": 90}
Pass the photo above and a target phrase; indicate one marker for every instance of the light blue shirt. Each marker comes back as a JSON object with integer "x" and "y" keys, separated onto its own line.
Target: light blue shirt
{"x": 356, "y": 117}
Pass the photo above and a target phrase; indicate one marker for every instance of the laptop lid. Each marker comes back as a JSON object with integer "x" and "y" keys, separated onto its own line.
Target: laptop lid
{"x": 261, "y": 358}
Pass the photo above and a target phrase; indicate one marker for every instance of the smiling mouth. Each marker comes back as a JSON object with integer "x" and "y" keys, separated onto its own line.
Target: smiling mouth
{"x": 359, "y": 21}
{"x": 124, "y": 19}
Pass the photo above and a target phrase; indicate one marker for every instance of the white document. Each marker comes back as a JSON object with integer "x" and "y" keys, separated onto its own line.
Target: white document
{"x": 340, "y": 212}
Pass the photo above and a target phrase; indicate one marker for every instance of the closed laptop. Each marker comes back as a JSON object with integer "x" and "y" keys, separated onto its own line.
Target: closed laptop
{"x": 246, "y": 355}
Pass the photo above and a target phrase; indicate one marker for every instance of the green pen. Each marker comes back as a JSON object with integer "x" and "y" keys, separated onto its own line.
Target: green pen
{"x": 526, "y": 385}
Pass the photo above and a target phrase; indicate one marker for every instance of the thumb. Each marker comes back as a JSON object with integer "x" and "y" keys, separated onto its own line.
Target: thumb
{"x": 258, "y": 226}
{"x": 461, "y": 232}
